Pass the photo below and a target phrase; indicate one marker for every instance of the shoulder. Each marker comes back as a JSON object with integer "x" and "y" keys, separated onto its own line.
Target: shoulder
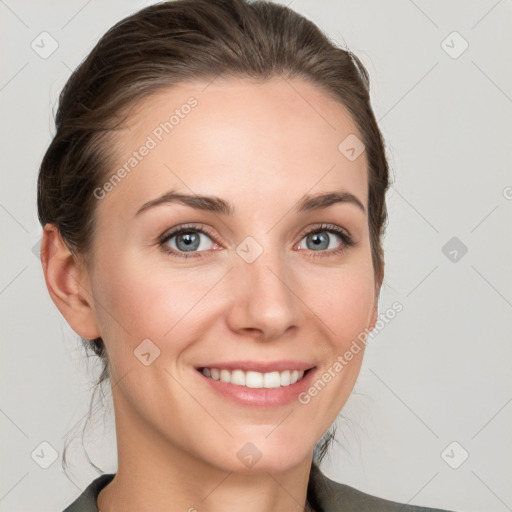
{"x": 326, "y": 495}
{"x": 87, "y": 501}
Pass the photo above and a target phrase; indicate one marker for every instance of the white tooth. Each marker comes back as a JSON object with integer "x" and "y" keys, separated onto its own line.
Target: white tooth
{"x": 254, "y": 380}
{"x": 271, "y": 380}
{"x": 285, "y": 378}
{"x": 225, "y": 376}
{"x": 238, "y": 377}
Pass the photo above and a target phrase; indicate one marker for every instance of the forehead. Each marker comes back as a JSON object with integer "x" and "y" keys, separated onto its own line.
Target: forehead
{"x": 236, "y": 137}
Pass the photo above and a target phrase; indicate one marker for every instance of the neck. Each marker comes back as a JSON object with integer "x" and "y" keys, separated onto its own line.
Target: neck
{"x": 183, "y": 488}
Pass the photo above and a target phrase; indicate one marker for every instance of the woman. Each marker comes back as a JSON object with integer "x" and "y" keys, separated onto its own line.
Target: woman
{"x": 213, "y": 204}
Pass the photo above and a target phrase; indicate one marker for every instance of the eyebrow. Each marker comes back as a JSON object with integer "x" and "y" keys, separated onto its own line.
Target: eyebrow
{"x": 217, "y": 205}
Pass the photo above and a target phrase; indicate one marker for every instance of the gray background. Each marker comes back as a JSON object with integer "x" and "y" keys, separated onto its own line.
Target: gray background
{"x": 438, "y": 373}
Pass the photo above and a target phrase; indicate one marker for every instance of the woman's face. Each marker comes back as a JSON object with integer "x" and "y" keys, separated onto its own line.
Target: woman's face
{"x": 257, "y": 291}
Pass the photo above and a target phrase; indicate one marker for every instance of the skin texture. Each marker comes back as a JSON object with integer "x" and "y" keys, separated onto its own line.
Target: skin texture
{"x": 261, "y": 146}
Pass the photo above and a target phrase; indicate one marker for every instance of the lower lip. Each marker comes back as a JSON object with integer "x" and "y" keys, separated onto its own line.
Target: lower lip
{"x": 263, "y": 397}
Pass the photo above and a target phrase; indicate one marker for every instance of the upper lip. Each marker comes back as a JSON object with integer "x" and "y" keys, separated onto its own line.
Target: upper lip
{"x": 259, "y": 366}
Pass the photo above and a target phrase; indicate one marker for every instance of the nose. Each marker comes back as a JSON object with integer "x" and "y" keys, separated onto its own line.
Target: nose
{"x": 265, "y": 303}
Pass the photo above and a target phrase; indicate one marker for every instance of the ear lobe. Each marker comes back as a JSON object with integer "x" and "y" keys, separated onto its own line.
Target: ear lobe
{"x": 66, "y": 280}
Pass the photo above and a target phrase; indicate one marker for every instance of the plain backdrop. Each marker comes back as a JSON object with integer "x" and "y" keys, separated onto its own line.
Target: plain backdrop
{"x": 430, "y": 418}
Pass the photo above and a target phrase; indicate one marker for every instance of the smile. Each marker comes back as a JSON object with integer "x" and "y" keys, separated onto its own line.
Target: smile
{"x": 252, "y": 379}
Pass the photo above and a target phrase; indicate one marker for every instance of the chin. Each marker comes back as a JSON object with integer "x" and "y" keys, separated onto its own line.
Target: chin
{"x": 261, "y": 455}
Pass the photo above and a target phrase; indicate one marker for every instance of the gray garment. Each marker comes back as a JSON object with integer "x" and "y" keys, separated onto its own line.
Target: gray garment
{"x": 324, "y": 495}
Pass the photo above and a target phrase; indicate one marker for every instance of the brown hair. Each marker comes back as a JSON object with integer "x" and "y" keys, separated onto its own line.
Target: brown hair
{"x": 171, "y": 42}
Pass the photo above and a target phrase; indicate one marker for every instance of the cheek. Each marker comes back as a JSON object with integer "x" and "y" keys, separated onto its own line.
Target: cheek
{"x": 355, "y": 306}
{"x": 138, "y": 303}
{"x": 344, "y": 299}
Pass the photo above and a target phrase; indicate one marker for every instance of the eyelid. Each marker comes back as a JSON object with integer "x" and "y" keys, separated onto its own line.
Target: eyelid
{"x": 324, "y": 227}
{"x": 347, "y": 240}
{"x": 346, "y": 237}
{"x": 186, "y": 227}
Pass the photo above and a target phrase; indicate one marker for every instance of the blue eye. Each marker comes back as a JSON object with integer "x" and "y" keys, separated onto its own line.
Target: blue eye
{"x": 186, "y": 241}
{"x": 320, "y": 240}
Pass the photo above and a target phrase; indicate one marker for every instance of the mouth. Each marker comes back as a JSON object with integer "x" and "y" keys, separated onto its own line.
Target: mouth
{"x": 253, "y": 383}
{"x": 254, "y": 379}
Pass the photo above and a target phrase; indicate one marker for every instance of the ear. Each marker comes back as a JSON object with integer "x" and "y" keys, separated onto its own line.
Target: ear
{"x": 67, "y": 283}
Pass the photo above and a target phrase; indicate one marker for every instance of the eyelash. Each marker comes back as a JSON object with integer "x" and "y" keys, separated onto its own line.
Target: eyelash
{"x": 347, "y": 240}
